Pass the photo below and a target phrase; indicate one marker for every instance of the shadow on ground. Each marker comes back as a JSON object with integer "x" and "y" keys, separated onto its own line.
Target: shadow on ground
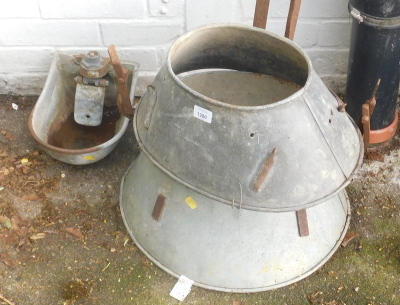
{"x": 62, "y": 239}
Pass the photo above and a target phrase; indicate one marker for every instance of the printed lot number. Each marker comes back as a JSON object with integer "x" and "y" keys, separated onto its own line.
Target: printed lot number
{"x": 202, "y": 114}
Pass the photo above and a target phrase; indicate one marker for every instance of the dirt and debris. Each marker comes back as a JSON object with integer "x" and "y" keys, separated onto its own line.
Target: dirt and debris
{"x": 5, "y": 301}
{"x": 63, "y": 241}
{"x": 75, "y": 290}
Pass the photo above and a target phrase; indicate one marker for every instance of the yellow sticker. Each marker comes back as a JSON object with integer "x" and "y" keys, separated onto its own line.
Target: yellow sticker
{"x": 88, "y": 157}
{"x": 264, "y": 269}
{"x": 191, "y": 203}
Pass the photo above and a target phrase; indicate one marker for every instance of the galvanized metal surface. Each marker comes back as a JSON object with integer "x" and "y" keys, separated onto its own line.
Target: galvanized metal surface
{"x": 89, "y": 101}
{"x": 271, "y": 98}
{"x": 221, "y": 247}
{"x": 51, "y": 121}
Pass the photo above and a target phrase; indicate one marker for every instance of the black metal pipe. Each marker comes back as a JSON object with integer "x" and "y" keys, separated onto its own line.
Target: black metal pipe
{"x": 374, "y": 54}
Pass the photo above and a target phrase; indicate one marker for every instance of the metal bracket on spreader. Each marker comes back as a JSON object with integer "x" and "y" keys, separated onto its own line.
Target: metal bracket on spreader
{"x": 159, "y": 207}
{"x": 302, "y": 223}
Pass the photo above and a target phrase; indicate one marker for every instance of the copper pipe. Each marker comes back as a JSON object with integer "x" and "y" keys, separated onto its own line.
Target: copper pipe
{"x": 292, "y": 18}
{"x": 366, "y": 121}
{"x": 261, "y": 14}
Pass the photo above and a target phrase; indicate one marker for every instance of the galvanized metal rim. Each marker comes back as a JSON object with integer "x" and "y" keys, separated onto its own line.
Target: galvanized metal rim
{"x": 249, "y": 290}
{"x": 238, "y": 107}
{"x": 244, "y": 205}
{"x": 375, "y": 22}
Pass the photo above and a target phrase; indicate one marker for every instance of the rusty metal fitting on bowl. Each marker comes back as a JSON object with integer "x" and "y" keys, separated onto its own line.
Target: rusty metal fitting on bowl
{"x": 93, "y": 65}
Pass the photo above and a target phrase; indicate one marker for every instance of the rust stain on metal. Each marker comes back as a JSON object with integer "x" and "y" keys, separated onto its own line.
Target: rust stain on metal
{"x": 159, "y": 207}
{"x": 341, "y": 105}
{"x": 264, "y": 171}
{"x": 261, "y": 14}
{"x": 89, "y": 71}
{"x": 293, "y": 15}
{"x": 123, "y": 101}
{"x": 66, "y": 133}
{"x": 284, "y": 82}
{"x": 302, "y": 223}
{"x": 92, "y": 146}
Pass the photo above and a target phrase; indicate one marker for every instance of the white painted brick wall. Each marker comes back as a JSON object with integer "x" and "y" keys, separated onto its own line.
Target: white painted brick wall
{"x": 31, "y": 31}
{"x": 19, "y": 9}
{"x": 39, "y": 32}
{"x": 92, "y": 9}
{"x": 140, "y": 33}
{"x": 167, "y": 8}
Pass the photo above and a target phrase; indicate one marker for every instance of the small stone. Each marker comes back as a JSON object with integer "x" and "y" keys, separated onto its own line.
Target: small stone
{"x": 356, "y": 289}
{"x": 7, "y": 224}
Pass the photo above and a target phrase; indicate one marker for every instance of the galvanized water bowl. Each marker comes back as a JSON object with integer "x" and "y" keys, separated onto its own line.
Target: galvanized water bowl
{"x": 52, "y": 124}
{"x": 220, "y": 247}
{"x": 232, "y": 101}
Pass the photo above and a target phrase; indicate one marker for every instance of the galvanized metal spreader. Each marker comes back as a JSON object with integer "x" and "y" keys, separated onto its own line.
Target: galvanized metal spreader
{"x": 239, "y": 136}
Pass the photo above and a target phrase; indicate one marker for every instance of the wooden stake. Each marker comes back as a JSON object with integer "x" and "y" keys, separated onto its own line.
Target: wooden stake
{"x": 261, "y": 14}
{"x": 292, "y": 18}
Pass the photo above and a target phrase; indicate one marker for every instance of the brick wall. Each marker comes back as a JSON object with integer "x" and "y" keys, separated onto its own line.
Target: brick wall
{"x": 143, "y": 30}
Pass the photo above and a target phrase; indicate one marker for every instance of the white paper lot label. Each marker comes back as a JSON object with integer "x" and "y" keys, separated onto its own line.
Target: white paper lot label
{"x": 202, "y": 114}
{"x": 181, "y": 288}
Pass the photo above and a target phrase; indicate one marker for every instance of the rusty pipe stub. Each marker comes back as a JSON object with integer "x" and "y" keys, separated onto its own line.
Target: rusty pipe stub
{"x": 92, "y": 65}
